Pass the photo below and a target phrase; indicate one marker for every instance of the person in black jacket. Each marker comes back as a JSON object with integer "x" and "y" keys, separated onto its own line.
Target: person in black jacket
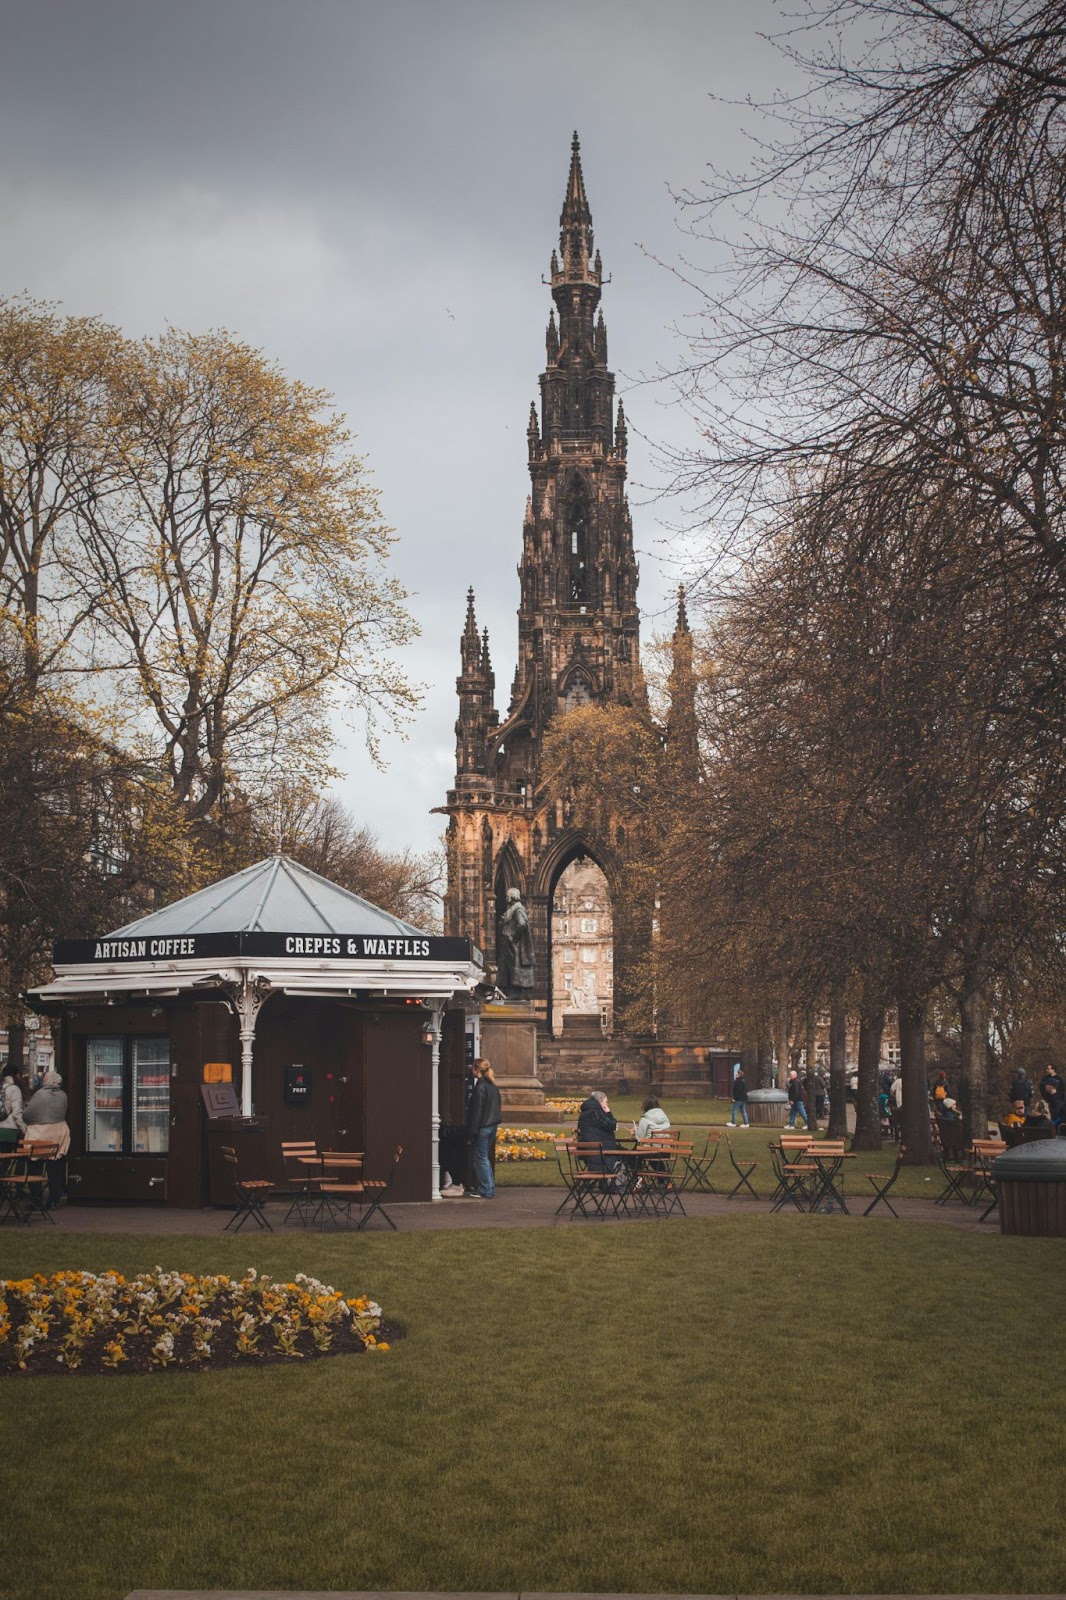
{"x": 596, "y": 1125}
{"x": 796, "y": 1106}
{"x": 1020, "y": 1088}
{"x": 1053, "y": 1090}
{"x": 484, "y": 1115}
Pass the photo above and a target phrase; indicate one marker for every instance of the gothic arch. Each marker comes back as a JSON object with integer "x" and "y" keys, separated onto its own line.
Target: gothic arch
{"x": 566, "y": 847}
{"x": 509, "y": 872}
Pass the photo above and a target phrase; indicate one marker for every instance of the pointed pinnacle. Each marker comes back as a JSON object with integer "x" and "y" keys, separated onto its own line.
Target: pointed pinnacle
{"x": 534, "y": 425}
{"x": 471, "y": 621}
{"x": 575, "y": 206}
{"x": 682, "y": 613}
{"x": 486, "y": 660}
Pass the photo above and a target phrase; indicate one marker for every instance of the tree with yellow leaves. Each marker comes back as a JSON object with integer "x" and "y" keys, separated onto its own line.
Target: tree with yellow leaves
{"x": 237, "y": 571}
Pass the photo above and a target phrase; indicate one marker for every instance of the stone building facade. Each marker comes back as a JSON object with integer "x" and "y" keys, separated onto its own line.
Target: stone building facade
{"x": 578, "y": 626}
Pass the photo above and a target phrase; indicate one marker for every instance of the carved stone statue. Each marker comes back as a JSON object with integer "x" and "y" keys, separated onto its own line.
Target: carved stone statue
{"x": 514, "y": 948}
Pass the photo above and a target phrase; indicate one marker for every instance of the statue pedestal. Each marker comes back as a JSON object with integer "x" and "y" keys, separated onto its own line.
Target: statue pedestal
{"x": 509, "y": 1042}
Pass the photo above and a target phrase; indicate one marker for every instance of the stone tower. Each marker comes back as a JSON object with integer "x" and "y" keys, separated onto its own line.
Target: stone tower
{"x": 578, "y": 624}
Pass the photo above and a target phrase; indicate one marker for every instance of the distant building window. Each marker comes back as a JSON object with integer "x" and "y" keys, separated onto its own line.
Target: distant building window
{"x": 588, "y": 924}
{"x": 568, "y": 955}
{"x": 568, "y": 980}
{"x": 588, "y": 954}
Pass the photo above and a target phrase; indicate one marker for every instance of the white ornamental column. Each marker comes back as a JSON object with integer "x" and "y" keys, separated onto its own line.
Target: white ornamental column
{"x": 248, "y": 1002}
{"x": 433, "y": 1031}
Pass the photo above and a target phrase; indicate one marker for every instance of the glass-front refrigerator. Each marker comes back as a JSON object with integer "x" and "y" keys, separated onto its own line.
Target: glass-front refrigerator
{"x": 151, "y": 1096}
{"x": 105, "y": 1096}
{"x": 127, "y": 1098}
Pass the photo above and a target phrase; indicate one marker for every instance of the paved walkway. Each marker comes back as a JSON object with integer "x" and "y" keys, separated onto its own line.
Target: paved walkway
{"x": 512, "y": 1208}
{"x": 526, "y": 1594}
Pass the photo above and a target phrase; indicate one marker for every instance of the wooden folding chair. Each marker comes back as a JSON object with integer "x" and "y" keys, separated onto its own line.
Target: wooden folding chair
{"x": 655, "y": 1188}
{"x": 376, "y": 1189}
{"x": 34, "y": 1197}
{"x": 14, "y": 1165}
{"x": 985, "y": 1152}
{"x": 697, "y": 1173}
{"x": 797, "y": 1181}
{"x": 744, "y": 1172}
{"x": 882, "y": 1185}
{"x": 599, "y": 1187}
{"x": 251, "y": 1195}
{"x": 301, "y": 1177}
{"x": 340, "y": 1186}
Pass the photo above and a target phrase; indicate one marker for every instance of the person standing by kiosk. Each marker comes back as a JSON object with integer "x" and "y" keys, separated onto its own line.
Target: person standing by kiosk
{"x": 483, "y": 1117}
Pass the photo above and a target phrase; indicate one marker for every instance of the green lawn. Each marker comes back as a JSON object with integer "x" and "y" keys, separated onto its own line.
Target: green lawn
{"x": 710, "y": 1406}
{"x": 696, "y": 1116}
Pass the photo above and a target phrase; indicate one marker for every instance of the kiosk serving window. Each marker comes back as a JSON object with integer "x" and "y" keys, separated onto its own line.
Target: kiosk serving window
{"x": 127, "y": 1098}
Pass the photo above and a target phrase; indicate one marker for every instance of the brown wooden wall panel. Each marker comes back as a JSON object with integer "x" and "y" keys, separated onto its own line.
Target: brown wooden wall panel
{"x": 398, "y": 1069}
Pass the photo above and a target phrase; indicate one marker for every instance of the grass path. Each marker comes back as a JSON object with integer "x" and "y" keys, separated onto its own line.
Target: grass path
{"x": 707, "y": 1406}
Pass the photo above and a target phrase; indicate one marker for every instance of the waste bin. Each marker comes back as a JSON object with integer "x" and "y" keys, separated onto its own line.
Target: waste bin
{"x": 768, "y": 1107}
{"x": 1031, "y": 1181}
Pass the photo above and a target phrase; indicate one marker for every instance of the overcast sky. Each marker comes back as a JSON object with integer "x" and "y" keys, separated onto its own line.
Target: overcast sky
{"x": 369, "y": 190}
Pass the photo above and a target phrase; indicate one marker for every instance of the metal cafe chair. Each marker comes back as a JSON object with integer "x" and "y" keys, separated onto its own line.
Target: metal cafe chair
{"x": 340, "y": 1185}
{"x": 376, "y": 1189}
{"x": 35, "y": 1193}
{"x": 301, "y": 1162}
{"x": 882, "y": 1185}
{"x": 14, "y": 1166}
{"x": 599, "y": 1185}
{"x": 743, "y": 1169}
{"x": 251, "y": 1195}
{"x": 796, "y": 1180}
{"x": 655, "y": 1190}
{"x": 697, "y": 1173}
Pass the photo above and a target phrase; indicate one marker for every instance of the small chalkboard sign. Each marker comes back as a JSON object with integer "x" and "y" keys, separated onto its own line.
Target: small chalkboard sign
{"x": 220, "y": 1100}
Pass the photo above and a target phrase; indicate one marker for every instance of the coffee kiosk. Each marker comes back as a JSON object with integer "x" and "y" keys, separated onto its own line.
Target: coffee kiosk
{"x": 273, "y": 1005}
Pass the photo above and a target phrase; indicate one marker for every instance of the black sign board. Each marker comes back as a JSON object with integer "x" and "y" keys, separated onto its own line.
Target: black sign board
{"x": 298, "y": 947}
{"x": 297, "y": 1086}
{"x": 220, "y": 1100}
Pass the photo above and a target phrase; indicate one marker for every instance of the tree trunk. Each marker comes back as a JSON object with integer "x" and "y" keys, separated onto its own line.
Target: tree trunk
{"x": 810, "y": 1088}
{"x": 914, "y": 1114}
{"x": 16, "y": 1037}
{"x": 867, "y": 1118}
{"x": 781, "y": 1049}
{"x": 810, "y": 1050}
{"x": 766, "y": 1061}
{"x": 838, "y": 1072}
{"x": 975, "y": 1065}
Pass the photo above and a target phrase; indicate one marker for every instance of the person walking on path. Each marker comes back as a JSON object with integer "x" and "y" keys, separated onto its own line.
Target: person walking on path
{"x": 796, "y": 1106}
{"x": 483, "y": 1117}
{"x": 738, "y": 1117}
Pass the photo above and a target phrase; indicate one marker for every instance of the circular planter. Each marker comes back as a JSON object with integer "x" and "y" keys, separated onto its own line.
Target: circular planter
{"x": 1031, "y": 1180}
{"x": 768, "y": 1107}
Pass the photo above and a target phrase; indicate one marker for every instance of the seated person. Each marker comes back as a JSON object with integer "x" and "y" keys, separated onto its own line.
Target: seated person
{"x": 653, "y": 1120}
{"x": 1039, "y": 1116}
{"x": 1016, "y": 1115}
{"x": 596, "y": 1125}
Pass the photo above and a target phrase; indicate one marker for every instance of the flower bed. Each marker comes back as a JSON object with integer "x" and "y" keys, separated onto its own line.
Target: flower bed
{"x": 523, "y": 1144}
{"x": 93, "y": 1322}
{"x": 568, "y": 1107}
